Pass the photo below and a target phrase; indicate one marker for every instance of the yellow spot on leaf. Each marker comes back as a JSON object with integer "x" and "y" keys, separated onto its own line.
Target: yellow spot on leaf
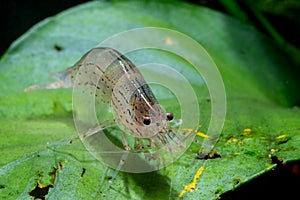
{"x": 281, "y": 136}
{"x": 192, "y": 185}
{"x": 247, "y": 130}
{"x": 232, "y": 140}
{"x": 274, "y": 150}
{"x": 202, "y": 135}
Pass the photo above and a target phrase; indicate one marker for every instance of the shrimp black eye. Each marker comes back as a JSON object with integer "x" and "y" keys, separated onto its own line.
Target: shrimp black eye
{"x": 170, "y": 116}
{"x": 146, "y": 120}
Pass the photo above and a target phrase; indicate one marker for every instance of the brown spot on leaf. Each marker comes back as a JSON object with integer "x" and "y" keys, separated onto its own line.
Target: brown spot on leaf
{"x": 40, "y": 192}
{"x": 212, "y": 155}
{"x": 58, "y": 47}
{"x": 83, "y": 172}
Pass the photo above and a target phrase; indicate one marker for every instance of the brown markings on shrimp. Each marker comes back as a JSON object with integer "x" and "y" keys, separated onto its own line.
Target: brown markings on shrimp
{"x": 114, "y": 72}
{"x": 142, "y": 105}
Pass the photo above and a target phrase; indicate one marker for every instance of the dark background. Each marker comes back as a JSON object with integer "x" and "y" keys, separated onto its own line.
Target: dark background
{"x": 19, "y": 16}
{"x": 284, "y": 16}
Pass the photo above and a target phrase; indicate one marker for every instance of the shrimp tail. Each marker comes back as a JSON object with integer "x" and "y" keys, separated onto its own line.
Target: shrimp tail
{"x": 64, "y": 79}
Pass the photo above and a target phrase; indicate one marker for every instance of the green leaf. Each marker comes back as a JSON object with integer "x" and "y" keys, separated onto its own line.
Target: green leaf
{"x": 36, "y": 127}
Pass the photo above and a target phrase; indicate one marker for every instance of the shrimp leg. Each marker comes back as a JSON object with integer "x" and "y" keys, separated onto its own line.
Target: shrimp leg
{"x": 125, "y": 143}
{"x": 97, "y": 128}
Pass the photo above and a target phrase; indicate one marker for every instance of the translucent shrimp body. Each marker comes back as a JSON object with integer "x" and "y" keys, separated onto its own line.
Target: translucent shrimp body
{"x": 118, "y": 82}
{"x": 107, "y": 79}
{"x": 110, "y": 92}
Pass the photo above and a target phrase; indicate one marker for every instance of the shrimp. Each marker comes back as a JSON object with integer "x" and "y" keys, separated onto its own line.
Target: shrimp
{"x": 119, "y": 85}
